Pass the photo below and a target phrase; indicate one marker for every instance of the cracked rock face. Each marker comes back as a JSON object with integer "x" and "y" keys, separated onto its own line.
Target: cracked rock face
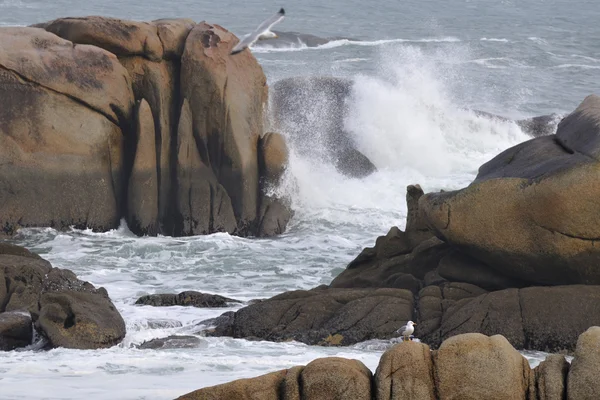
{"x": 532, "y": 213}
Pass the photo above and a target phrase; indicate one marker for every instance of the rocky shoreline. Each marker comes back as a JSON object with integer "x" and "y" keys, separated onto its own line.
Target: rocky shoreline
{"x": 466, "y": 366}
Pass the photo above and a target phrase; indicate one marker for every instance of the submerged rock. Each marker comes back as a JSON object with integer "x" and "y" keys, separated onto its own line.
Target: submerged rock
{"x": 173, "y": 342}
{"x": 187, "y": 298}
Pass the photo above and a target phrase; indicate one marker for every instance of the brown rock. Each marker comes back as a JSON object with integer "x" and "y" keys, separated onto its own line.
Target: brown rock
{"x": 204, "y": 204}
{"x": 76, "y": 315}
{"x": 172, "y": 34}
{"x": 15, "y": 330}
{"x": 335, "y": 378}
{"x": 14, "y": 250}
{"x": 118, "y": 36}
{"x": 60, "y": 123}
{"x": 264, "y": 387}
{"x": 23, "y": 277}
{"x": 582, "y": 381}
{"x": 142, "y": 198}
{"x": 549, "y": 213}
{"x": 87, "y": 74}
{"x": 273, "y": 216}
{"x": 226, "y": 97}
{"x": 272, "y": 157}
{"x": 405, "y": 372}
{"x": 474, "y": 366}
{"x": 551, "y": 378}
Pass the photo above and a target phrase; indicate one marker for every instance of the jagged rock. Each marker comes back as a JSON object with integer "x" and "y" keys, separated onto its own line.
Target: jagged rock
{"x": 64, "y": 111}
{"x": 15, "y": 330}
{"x": 324, "y": 316}
{"x": 173, "y": 342}
{"x": 143, "y": 191}
{"x": 68, "y": 312}
{"x": 120, "y": 37}
{"x": 551, "y": 378}
{"x": 335, "y": 378}
{"x": 549, "y": 213}
{"x": 405, "y": 372}
{"x": 582, "y": 381}
{"x": 14, "y": 250}
{"x": 311, "y": 110}
{"x": 474, "y": 366}
{"x": 399, "y": 259}
{"x": 187, "y": 298}
{"x": 226, "y": 97}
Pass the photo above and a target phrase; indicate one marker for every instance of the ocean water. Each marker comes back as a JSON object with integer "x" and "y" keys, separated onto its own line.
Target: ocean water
{"x": 418, "y": 66}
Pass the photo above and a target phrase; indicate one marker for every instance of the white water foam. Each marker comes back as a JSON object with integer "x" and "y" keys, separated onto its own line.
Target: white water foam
{"x": 301, "y": 46}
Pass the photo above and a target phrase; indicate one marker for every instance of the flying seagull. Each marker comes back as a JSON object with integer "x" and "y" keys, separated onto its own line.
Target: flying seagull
{"x": 406, "y": 330}
{"x": 262, "y": 32}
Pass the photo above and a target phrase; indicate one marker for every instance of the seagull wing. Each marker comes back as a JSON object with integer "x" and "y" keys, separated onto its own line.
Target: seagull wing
{"x": 402, "y": 329}
{"x": 253, "y": 37}
{"x": 269, "y": 22}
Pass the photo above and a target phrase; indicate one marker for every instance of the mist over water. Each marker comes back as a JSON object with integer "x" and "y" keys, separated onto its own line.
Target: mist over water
{"x": 417, "y": 77}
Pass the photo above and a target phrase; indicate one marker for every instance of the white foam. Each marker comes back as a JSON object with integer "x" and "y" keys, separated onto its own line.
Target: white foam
{"x": 500, "y": 40}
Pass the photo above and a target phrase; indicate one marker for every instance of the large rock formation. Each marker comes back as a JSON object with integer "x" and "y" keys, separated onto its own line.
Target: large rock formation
{"x": 468, "y": 366}
{"x": 150, "y": 121}
{"x": 66, "y": 311}
{"x": 545, "y": 228}
{"x": 64, "y": 113}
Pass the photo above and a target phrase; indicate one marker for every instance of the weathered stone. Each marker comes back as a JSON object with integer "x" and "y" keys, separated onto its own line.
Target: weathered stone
{"x": 473, "y": 366}
{"x": 405, "y": 372}
{"x": 15, "y": 330}
{"x": 264, "y": 387}
{"x": 203, "y": 203}
{"x": 551, "y": 378}
{"x": 143, "y": 190}
{"x": 187, "y": 298}
{"x": 335, "y": 378}
{"x": 76, "y": 315}
{"x": 326, "y": 317}
{"x": 549, "y": 209}
{"x": 582, "y": 381}
{"x": 226, "y": 98}
{"x": 172, "y": 34}
{"x": 118, "y": 36}
{"x": 272, "y": 157}
{"x": 273, "y": 216}
{"x": 63, "y": 115}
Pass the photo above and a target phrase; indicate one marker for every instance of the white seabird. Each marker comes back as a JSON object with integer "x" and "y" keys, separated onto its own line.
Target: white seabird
{"x": 262, "y": 32}
{"x": 406, "y": 330}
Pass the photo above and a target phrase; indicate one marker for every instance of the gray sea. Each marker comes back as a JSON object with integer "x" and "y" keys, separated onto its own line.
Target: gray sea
{"x": 418, "y": 67}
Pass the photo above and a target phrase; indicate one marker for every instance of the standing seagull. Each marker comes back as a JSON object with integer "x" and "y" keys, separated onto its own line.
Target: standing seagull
{"x": 406, "y": 330}
{"x": 262, "y": 32}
